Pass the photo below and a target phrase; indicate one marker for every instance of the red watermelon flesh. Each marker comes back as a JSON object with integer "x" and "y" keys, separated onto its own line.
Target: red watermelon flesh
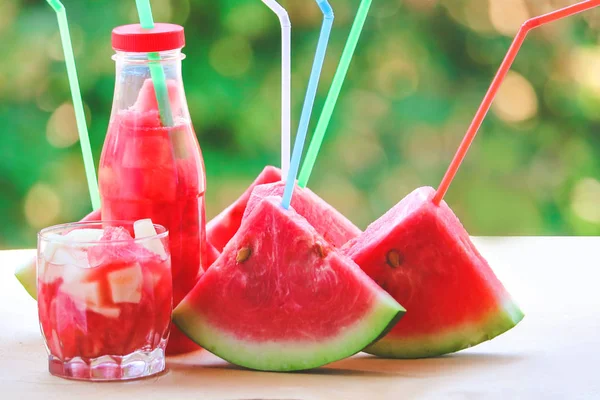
{"x": 421, "y": 255}
{"x": 335, "y": 228}
{"x": 221, "y": 228}
{"x": 280, "y": 298}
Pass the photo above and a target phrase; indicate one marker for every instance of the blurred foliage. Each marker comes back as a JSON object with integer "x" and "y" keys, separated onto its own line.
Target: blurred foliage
{"x": 420, "y": 71}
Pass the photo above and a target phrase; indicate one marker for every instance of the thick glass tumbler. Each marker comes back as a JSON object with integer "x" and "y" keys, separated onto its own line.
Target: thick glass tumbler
{"x": 105, "y": 299}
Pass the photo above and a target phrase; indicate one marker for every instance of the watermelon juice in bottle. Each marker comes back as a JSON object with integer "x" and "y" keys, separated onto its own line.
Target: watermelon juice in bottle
{"x": 151, "y": 164}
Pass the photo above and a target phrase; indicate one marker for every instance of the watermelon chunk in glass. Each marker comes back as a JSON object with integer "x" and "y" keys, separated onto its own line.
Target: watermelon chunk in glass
{"x": 26, "y": 272}
{"x": 422, "y": 256}
{"x": 327, "y": 221}
{"x": 280, "y": 298}
{"x": 221, "y": 228}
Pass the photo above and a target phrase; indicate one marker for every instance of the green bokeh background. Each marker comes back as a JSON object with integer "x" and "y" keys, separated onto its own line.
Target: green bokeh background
{"x": 420, "y": 71}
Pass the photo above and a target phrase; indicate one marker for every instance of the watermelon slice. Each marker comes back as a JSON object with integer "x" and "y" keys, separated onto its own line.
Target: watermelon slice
{"x": 327, "y": 221}
{"x": 280, "y": 298}
{"x": 26, "y": 275}
{"x": 221, "y": 228}
{"x": 211, "y": 255}
{"x": 26, "y": 272}
{"x": 421, "y": 254}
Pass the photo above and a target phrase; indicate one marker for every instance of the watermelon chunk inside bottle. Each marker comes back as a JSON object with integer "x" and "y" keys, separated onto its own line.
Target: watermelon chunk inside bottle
{"x": 149, "y": 170}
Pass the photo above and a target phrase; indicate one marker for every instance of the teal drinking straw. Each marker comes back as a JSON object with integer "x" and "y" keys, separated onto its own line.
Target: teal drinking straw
{"x": 156, "y": 70}
{"x": 309, "y": 100}
{"x": 334, "y": 92}
{"x": 84, "y": 139}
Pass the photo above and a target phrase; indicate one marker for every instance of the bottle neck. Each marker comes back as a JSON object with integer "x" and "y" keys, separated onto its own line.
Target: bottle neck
{"x": 166, "y": 57}
{"x": 134, "y": 87}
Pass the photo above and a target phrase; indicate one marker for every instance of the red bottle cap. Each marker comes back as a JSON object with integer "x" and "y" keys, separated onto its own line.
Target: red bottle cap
{"x": 135, "y": 39}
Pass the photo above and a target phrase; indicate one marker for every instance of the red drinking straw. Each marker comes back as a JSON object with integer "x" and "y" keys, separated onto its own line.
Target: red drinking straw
{"x": 497, "y": 82}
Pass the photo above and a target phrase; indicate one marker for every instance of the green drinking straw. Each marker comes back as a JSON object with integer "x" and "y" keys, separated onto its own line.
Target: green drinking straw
{"x": 156, "y": 70}
{"x": 84, "y": 139}
{"x": 334, "y": 93}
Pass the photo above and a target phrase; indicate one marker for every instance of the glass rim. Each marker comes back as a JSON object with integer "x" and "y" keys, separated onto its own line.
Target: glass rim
{"x": 43, "y": 234}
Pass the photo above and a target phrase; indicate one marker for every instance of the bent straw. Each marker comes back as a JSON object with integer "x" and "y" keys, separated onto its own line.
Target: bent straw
{"x": 84, "y": 139}
{"x": 157, "y": 73}
{"x": 309, "y": 100}
{"x": 286, "y": 83}
{"x": 497, "y": 82}
{"x": 334, "y": 92}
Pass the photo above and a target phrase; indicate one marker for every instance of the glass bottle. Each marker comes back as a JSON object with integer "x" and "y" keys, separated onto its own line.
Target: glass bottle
{"x": 151, "y": 164}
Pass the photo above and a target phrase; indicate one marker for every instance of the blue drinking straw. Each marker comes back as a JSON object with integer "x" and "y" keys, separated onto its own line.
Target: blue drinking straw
{"x": 309, "y": 101}
{"x": 334, "y": 92}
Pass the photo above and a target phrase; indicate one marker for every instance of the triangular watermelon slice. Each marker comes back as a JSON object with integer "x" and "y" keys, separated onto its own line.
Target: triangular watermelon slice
{"x": 280, "y": 298}
{"x": 421, "y": 254}
{"x": 221, "y": 228}
{"x": 327, "y": 221}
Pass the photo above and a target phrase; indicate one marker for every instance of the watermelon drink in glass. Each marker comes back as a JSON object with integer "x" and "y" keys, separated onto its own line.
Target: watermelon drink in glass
{"x": 105, "y": 299}
{"x": 151, "y": 164}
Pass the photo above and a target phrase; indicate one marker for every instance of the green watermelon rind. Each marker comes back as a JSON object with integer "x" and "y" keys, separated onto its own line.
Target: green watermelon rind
{"x": 26, "y": 274}
{"x": 452, "y": 340}
{"x": 299, "y": 355}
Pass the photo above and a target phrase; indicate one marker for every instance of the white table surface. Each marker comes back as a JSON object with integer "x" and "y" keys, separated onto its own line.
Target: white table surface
{"x": 553, "y": 354}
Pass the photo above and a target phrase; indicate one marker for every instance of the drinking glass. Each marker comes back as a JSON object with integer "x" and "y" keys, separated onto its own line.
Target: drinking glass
{"x": 104, "y": 299}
